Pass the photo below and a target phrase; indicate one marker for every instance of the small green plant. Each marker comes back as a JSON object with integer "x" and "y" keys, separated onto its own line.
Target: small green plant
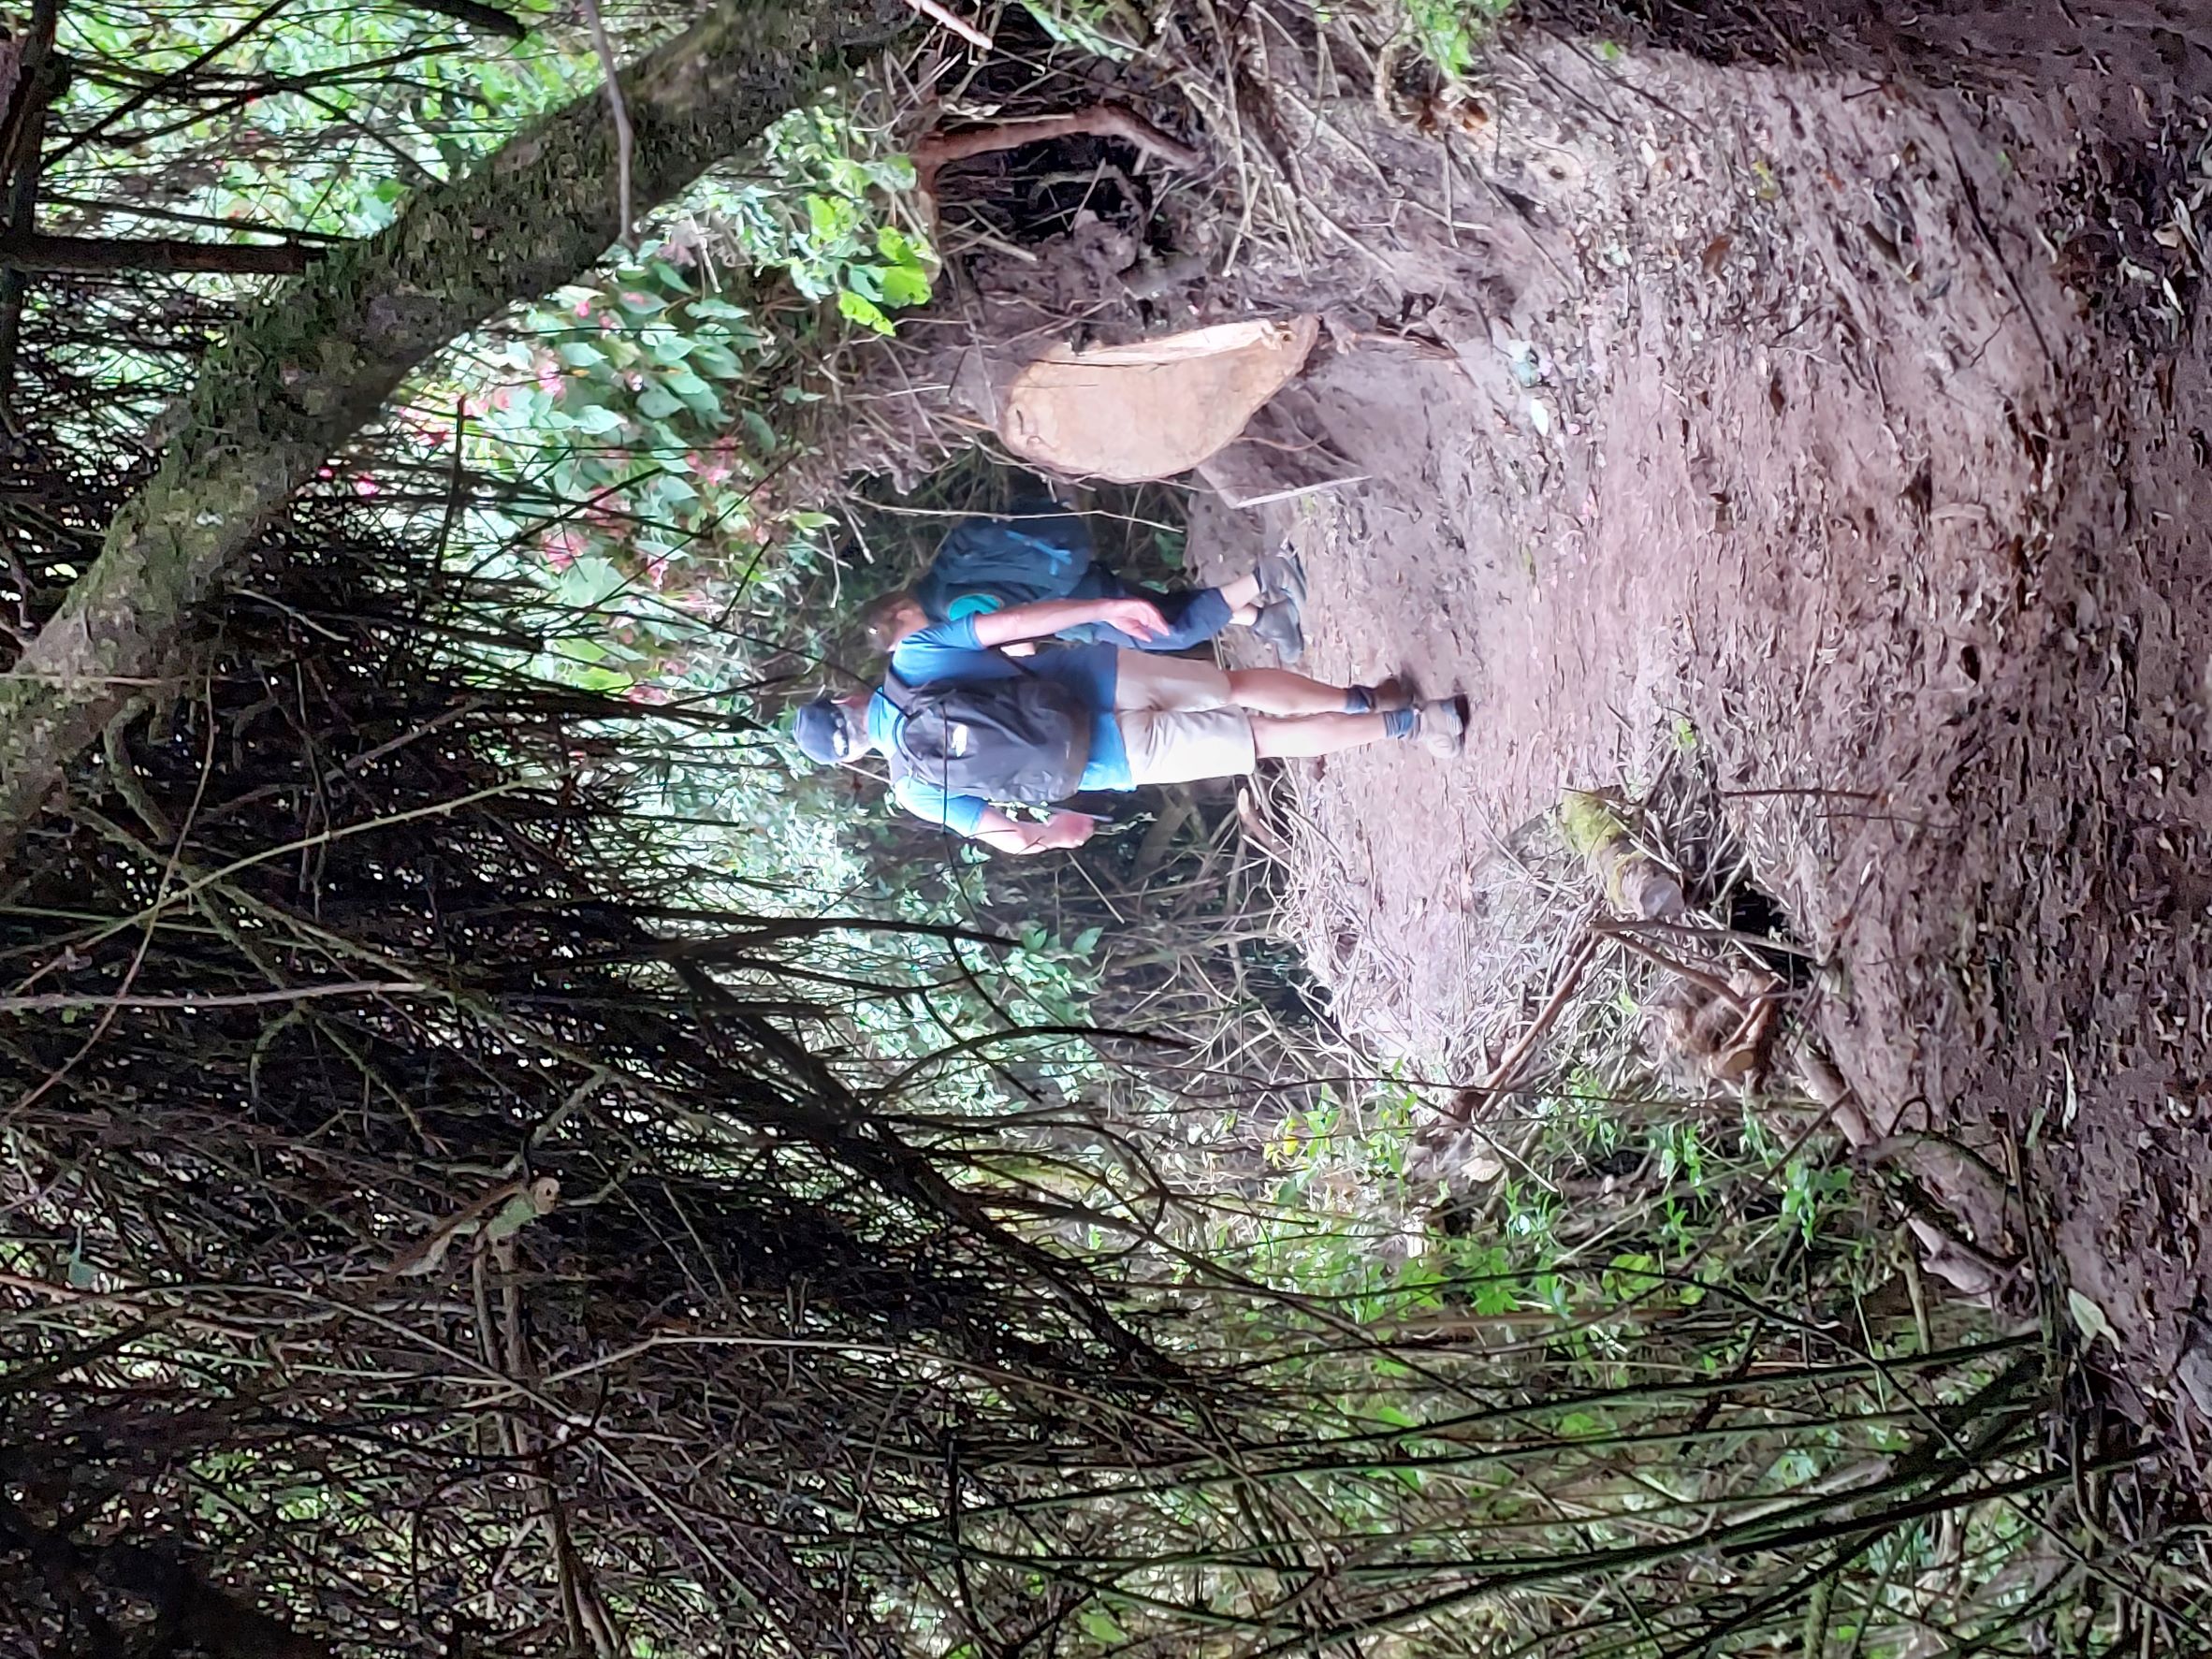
{"x": 1448, "y": 33}
{"x": 819, "y": 213}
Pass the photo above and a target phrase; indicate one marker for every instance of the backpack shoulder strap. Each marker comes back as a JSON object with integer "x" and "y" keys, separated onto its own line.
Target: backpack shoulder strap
{"x": 897, "y": 692}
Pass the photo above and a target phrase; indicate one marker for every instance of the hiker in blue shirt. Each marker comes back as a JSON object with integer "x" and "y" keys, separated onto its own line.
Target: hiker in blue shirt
{"x": 1042, "y": 551}
{"x": 969, "y": 732}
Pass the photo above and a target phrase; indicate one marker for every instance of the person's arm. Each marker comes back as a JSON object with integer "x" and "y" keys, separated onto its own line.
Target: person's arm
{"x": 1002, "y": 833}
{"x": 1137, "y": 618}
{"x": 978, "y": 821}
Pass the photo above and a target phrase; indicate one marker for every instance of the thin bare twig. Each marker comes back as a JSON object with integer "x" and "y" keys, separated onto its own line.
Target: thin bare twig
{"x": 625, "y": 140}
{"x": 960, "y": 26}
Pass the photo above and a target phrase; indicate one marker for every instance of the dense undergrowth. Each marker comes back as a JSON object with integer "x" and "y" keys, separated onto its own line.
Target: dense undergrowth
{"x": 498, "y": 1161}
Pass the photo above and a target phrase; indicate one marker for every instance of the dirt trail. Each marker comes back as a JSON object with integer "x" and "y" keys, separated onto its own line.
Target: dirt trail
{"x": 1851, "y": 428}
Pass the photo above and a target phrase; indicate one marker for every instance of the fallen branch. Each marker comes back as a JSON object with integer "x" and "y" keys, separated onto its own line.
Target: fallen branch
{"x": 1508, "y": 1070}
{"x": 1101, "y": 121}
{"x": 1702, "y": 977}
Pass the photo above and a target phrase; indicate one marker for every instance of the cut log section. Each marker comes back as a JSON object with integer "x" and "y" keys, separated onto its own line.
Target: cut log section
{"x": 1154, "y": 408}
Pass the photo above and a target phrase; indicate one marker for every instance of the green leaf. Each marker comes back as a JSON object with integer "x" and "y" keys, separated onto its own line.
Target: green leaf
{"x": 1494, "y": 1297}
{"x": 905, "y": 285}
{"x": 865, "y": 312}
{"x": 536, "y": 1199}
{"x": 1100, "y": 1625}
{"x": 2089, "y": 1317}
{"x": 828, "y": 218}
{"x": 703, "y": 403}
{"x": 658, "y": 404}
{"x": 597, "y": 419}
{"x": 581, "y": 354}
{"x": 716, "y": 360}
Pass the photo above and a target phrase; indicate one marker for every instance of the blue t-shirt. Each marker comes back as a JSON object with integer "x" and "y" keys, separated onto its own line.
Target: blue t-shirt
{"x": 948, "y": 650}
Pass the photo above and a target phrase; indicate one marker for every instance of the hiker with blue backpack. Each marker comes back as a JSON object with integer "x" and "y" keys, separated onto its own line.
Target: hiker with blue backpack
{"x": 1041, "y": 551}
{"x": 969, "y": 731}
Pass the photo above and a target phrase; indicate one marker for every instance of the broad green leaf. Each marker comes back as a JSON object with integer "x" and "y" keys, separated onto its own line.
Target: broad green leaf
{"x": 865, "y": 312}
{"x": 1100, "y": 1625}
{"x": 2088, "y": 1317}
{"x": 904, "y": 285}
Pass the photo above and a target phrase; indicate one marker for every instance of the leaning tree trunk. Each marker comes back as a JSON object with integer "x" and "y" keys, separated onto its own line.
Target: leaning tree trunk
{"x": 310, "y": 364}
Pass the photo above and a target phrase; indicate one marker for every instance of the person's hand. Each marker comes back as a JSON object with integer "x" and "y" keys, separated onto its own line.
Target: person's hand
{"x": 1066, "y": 829}
{"x": 1139, "y": 618}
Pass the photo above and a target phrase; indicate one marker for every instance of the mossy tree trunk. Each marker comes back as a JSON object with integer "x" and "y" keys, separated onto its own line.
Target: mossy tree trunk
{"x": 307, "y": 368}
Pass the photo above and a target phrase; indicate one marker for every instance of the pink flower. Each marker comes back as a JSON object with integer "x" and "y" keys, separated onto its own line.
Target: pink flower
{"x": 583, "y": 308}
{"x": 562, "y": 547}
{"x": 367, "y": 487}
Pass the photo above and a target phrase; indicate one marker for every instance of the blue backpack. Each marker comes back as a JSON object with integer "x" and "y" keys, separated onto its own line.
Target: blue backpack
{"x": 1021, "y": 737}
{"x": 1005, "y": 562}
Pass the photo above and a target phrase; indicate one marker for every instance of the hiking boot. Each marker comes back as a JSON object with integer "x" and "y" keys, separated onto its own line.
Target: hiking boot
{"x": 1282, "y": 576}
{"x": 1442, "y": 726}
{"x": 1277, "y": 625}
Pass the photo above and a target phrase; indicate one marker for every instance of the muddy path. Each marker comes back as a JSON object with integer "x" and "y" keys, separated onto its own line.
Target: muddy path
{"x": 1849, "y": 424}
